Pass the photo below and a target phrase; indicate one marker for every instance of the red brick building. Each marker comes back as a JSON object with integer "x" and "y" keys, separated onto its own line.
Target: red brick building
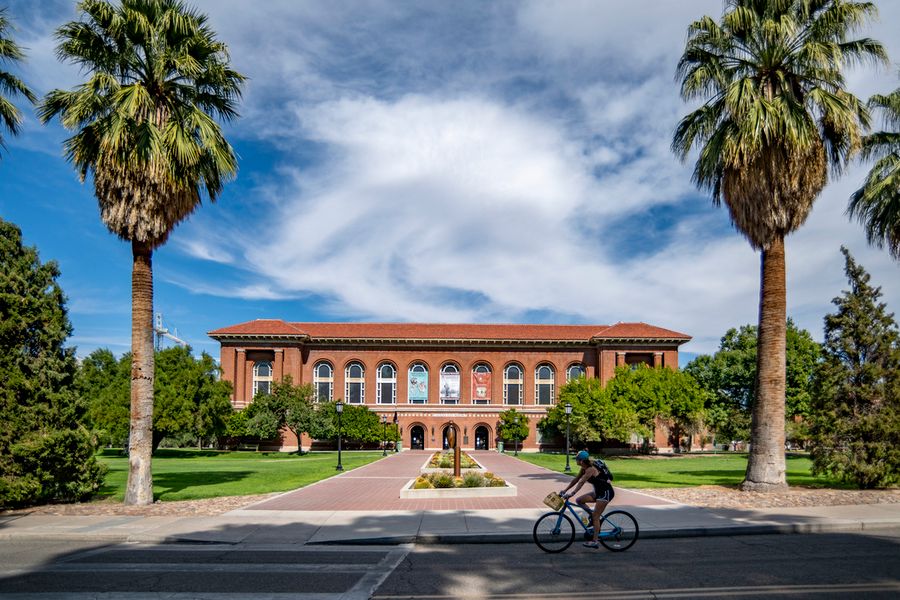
{"x": 426, "y": 375}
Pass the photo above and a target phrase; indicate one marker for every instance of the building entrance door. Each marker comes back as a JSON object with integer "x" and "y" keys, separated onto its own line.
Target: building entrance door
{"x": 417, "y": 438}
{"x": 481, "y": 438}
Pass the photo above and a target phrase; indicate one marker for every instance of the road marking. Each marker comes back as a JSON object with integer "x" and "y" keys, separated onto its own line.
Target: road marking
{"x": 369, "y": 582}
{"x": 710, "y": 592}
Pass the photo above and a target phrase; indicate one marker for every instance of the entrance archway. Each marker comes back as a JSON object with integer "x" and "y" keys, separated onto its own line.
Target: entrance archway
{"x": 417, "y": 438}
{"x": 481, "y": 438}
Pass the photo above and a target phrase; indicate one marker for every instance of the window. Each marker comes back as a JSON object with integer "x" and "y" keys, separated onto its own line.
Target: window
{"x": 574, "y": 372}
{"x": 543, "y": 384}
{"x": 481, "y": 384}
{"x": 262, "y": 377}
{"x": 512, "y": 385}
{"x": 417, "y": 392}
{"x": 323, "y": 381}
{"x": 354, "y": 383}
{"x": 449, "y": 384}
{"x": 386, "y": 384}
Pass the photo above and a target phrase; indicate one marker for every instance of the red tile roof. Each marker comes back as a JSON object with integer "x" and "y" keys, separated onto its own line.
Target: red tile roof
{"x": 447, "y": 331}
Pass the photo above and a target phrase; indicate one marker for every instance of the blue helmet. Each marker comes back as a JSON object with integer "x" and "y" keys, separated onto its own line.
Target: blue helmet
{"x": 583, "y": 455}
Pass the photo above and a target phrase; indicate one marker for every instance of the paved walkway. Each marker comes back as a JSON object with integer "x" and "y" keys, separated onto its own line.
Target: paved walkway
{"x": 363, "y": 506}
{"x": 376, "y": 487}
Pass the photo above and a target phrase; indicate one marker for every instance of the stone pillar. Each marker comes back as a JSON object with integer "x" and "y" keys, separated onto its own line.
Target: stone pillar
{"x": 620, "y": 359}
{"x": 240, "y": 369}
{"x": 657, "y": 359}
{"x": 278, "y": 365}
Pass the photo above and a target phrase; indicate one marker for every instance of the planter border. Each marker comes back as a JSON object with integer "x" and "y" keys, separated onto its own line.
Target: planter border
{"x": 483, "y": 492}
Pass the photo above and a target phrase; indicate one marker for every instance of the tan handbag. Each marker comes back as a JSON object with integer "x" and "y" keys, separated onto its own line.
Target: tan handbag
{"x": 554, "y": 501}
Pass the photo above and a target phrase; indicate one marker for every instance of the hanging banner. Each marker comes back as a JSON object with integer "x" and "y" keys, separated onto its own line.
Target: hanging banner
{"x": 481, "y": 388}
{"x": 418, "y": 387}
{"x": 450, "y": 388}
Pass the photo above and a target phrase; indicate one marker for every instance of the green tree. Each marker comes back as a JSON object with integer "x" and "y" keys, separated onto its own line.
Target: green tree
{"x": 45, "y": 454}
{"x": 103, "y": 384}
{"x": 10, "y": 85}
{"x": 288, "y": 406}
{"x": 191, "y": 400}
{"x": 659, "y": 393}
{"x": 877, "y": 203}
{"x": 855, "y": 422}
{"x": 729, "y": 377}
{"x": 775, "y": 116}
{"x": 597, "y": 415}
{"x": 146, "y": 133}
{"x": 513, "y": 426}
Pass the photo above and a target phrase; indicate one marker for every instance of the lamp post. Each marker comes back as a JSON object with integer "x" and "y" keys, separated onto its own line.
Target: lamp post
{"x": 339, "y": 407}
{"x": 384, "y": 434}
{"x": 516, "y": 435}
{"x": 568, "y": 412}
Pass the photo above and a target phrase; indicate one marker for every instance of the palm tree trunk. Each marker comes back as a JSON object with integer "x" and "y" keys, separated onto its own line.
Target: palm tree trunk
{"x": 139, "y": 490}
{"x": 766, "y": 467}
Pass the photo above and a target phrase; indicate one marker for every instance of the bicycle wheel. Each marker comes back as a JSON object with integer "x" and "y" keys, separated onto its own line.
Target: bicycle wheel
{"x": 554, "y": 532}
{"x": 618, "y": 531}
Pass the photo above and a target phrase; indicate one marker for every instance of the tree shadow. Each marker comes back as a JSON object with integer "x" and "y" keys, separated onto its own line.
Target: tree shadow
{"x": 347, "y": 547}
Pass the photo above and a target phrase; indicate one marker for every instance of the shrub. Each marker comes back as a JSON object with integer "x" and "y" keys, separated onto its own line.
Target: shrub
{"x": 422, "y": 483}
{"x": 442, "y": 480}
{"x": 473, "y": 480}
{"x": 496, "y": 482}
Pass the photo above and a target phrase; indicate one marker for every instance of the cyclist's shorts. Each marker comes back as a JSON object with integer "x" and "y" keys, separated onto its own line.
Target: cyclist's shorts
{"x": 604, "y": 491}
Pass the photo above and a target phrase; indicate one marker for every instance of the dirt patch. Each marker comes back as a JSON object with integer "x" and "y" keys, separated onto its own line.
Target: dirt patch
{"x": 716, "y": 496}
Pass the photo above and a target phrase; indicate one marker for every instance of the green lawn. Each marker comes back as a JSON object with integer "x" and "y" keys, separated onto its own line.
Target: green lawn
{"x": 193, "y": 474}
{"x": 684, "y": 471}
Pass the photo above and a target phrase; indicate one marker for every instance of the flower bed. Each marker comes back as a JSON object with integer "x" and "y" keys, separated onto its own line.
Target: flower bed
{"x": 442, "y": 484}
{"x": 444, "y": 460}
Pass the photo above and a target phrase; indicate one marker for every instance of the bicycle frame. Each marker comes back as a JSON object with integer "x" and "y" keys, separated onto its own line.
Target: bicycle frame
{"x": 571, "y": 507}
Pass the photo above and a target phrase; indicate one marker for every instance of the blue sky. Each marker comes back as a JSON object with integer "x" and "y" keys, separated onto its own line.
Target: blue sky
{"x": 441, "y": 162}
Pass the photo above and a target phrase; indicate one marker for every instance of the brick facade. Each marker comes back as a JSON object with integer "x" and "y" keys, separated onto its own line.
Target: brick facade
{"x": 295, "y": 349}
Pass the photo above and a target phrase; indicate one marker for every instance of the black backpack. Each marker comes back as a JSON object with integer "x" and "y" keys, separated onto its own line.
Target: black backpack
{"x": 603, "y": 469}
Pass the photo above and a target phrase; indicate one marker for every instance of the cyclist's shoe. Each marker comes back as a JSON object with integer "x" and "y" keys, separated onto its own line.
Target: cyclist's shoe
{"x": 593, "y": 545}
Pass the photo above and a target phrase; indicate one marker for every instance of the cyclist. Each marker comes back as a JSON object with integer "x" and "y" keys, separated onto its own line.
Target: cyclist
{"x": 601, "y": 495}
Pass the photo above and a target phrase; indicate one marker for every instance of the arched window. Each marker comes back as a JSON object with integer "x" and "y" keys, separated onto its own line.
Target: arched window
{"x": 544, "y": 378}
{"x": 417, "y": 392}
{"x": 481, "y": 384}
{"x": 513, "y": 381}
{"x": 449, "y": 384}
{"x": 262, "y": 377}
{"x": 574, "y": 372}
{"x": 323, "y": 381}
{"x": 354, "y": 383}
{"x": 386, "y": 384}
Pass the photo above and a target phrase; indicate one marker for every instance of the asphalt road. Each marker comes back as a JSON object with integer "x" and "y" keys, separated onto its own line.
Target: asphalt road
{"x": 765, "y": 566}
{"x": 770, "y": 566}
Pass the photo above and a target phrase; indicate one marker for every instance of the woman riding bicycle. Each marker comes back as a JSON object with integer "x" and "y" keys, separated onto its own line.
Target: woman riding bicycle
{"x": 601, "y": 495}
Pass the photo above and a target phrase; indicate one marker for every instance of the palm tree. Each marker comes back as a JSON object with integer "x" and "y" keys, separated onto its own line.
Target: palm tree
{"x": 10, "y": 85}
{"x": 775, "y": 117}
{"x": 145, "y": 132}
{"x": 877, "y": 204}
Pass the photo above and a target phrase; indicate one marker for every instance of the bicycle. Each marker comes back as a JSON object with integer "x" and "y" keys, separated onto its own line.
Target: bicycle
{"x": 554, "y": 531}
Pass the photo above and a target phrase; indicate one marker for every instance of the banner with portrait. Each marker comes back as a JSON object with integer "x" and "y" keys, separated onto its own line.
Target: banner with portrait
{"x": 418, "y": 386}
{"x": 481, "y": 388}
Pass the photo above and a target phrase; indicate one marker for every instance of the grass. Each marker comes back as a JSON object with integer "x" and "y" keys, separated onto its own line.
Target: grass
{"x": 195, "y": 474}
{"x": 686, "y": 471}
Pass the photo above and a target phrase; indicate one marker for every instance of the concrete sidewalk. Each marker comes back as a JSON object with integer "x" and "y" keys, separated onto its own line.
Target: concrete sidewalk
{"x": 363, "y": 507}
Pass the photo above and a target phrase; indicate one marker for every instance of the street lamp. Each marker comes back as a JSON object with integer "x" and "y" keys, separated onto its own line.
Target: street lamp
{"x": 339, "y": 407}
{"x": 516, "y": 435}
{"x": 384, "y": 434}
{"x": 568, "y": 412}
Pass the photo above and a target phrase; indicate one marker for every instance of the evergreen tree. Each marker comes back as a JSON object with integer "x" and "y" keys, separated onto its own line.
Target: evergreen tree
{"x": 855, "y": 424}
{"x": 104, "y": 386}
{"x": 45, "y": 455}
